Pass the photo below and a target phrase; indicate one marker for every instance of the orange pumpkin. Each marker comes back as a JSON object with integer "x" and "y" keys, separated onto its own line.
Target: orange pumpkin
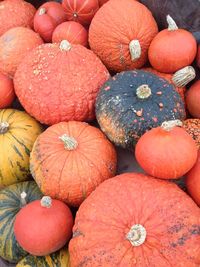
{"x": 14, "y": 45}
{"x": 72, "y": 70}
{"x": 71, "y": 31}
{"x": 192, "y": 126}
{"x": 70, "y": 159}
{"x": 102, "y": 2}
{"x": 198, "y": 56}
{"x": 120, "y": 34}
{"x": 135, "y": 220}
{"x": 166, "y": 152}
{"x": 7, "y": 94}
{"x": 15, "y": 13}
{"x": 193, "y": 99}
{"x": 172, "y": 49}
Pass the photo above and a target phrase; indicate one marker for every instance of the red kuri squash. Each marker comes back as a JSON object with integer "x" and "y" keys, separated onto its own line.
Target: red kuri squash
{"x": 193, "y": 99}
{"x": 7, "y": 94}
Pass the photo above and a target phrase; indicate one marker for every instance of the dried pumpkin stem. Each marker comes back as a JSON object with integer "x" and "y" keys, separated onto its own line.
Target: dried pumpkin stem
{"x": 137, "y": 235}
{"x": 183, "y": 76}
{"x": 69, "y": 142}
{"x": 169, "y": 125}
{"x": 143, "y": 91}
{"x": 135, "y": 50}
{"x": 46, "y": 202}
{"x": 42, "y": 11}
{"x": 65, "y": 45}
{"x": 23, "y": 198}
{"x": 171, "y": 24}
{"x": 4, "y": 126}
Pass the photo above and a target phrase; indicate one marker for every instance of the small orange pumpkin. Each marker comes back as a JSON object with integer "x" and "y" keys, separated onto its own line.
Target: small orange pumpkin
{"x": 193, "y": 99}
{"x": 7, "y": 94}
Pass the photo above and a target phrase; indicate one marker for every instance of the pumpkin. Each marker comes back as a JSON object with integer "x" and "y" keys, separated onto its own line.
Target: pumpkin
{"x": 102, "y": 2}
{"x": 193, "y": 99}
{"x": 193, "y": 181}
{"x": 7, "y": 94}
{"x": 14, "y": 45}
{"x": 147, "y": 222}
{"x": 18, "y": 132}
{"x": 192, "y": 126}
{"x": 80, "y": 11}
{"x": 47, "y": 17}
{"x": 198, "y": 56}
{"x": 79, "y": 75}
{"x": 71, "y": 31}
{"x": 12, "y": 199}
{"x": 120, "y": 34}
{"x": 132, "y": 102}
{"x": 43, "y": 226}
{"x": 57, "y": 259}
{"x": 86, "y": 158}
{"x": 14, "y": 14}
{"x": 166, "y": 152}
{"x": 164, "y": 52}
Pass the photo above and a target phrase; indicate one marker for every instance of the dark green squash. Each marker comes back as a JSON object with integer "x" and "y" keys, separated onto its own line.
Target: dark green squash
{"x": 133, "y": 102}
{"x": 10, "y": 204}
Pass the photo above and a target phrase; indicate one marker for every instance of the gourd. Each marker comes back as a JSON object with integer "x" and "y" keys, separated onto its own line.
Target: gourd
{"x": 166, "y": 152}
{"x": 198, "y": 56}
{"x": 192, "y": 126}
{"x": 12, "y": 199}
{"x": 7, "y": 94}
{"x": 74, "y": 158}
{"x": 193, "y": 98}
{"x": 18, "y": 132}
{"x": 148, "y": 222}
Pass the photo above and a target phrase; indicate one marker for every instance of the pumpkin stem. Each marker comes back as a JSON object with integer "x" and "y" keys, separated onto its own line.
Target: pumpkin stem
{"x": 69, "y": 142}
{"x": 65, "y": 45}
{"x": 169, "y": 125}
{"x": 183, "y": 76}
{"x": 46, "y": 202}
{"x": 137, "y": 235}
{"x": 143, "y": 91}
{"x": 135, "y": 50}
{"x": 42, "y": 11}
{"x": 4, "y": 126}
{"x": 171, "y": 24}
{"x": 23, "y": 198}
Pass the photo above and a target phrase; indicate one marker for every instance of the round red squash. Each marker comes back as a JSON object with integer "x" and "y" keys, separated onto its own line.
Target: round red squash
{"x": 62, "y": 81}
{"x": 193, "y": 99}
{"x": 70, "y": 159}
{"x": 120, "y": 34}
{"x": 43, "y": 226}
{"x": 192, "y": 126}
{"x": 167, "y": 53}
{"x": 47, "y": 18}
{"x": 166, "y": 152}
{"x": 80, "y": 11}
{"x": 146, "y": 222}
{"x": 71, "y": 31}
{"x": 7, "y": 94}
{"x": 14, "y": 45}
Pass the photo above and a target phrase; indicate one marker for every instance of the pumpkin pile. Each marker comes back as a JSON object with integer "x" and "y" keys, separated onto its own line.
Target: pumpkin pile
{"x": 82, "y": 83}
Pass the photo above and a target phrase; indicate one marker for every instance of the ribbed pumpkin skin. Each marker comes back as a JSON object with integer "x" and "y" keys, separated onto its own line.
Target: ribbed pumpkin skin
{"x": 16, "y": 145}
{"x": 7, "y": 93}
{"x": 112, "y": 29}
{"x": 72, "y": 175}
{"x": 9, "y": 206}
{"x": 15, "y": 13}
{"x": 79, "y": 76}
{"x": 170, "y": 217}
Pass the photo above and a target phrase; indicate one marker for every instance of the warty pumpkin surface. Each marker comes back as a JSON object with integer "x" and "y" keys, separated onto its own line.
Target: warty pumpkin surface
{"x": 192, "y": 126}
{"x": 18, "y": 132}
{"x": 62, "y": 81}
{"x": 135, "y": 220}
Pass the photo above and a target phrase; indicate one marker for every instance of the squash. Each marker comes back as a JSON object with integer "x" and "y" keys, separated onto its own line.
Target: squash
{"x": 71, "y": 31}
{"x": 7, "y": 94}
{"x": 12, "y": 199}
{"x": 192, "y": 126}
{"x": 164, "y": 52}
{"x": 120, "y": 34}
{"x": 193, "y": 99}
{"x": 86, "y": 158}
{"x": 47, "y": 18}
{"x": 166, "y": 152}
{"x": 146, "y": 222}
{"x": 198, "y": 57}
{"x": 102, "y": 2}
{"x": 80, "y": 11}
{"x": 18, "y": 132}
{"x": 132, "y": 102}
{"x": 79, "y": 75}
{"x": 14, "y": 45}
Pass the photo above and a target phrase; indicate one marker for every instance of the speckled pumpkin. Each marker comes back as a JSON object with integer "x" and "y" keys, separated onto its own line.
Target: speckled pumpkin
{"x": 59, "y": 82}
{"x": 132, "y": 102}
{"x": 147, "y": 222}
{"x": 192, "y": 126}
{"x": 11, "y": 202}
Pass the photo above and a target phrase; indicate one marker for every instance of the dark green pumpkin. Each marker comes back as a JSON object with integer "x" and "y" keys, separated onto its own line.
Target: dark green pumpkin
{"x": 10, "y": 204}
{"x": 132, "y": 102}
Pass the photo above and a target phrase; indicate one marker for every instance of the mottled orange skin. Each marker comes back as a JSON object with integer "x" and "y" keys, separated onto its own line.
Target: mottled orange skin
{"x": 166, "y": 154}
{"x": 15, "y": 13}
{"x": 193, "y": 100}
{"x": 7, "y": 94}
{"x": 170, "y": 217}
{"x": 62, "y": 85}
{"x": 72, "y": 175}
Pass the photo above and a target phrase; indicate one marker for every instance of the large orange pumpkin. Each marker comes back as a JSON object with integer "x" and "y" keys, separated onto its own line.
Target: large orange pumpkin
{"x": 120, "y": 34}
{"x": 7, "y": 94}
{"x": 70, "y": 159}
{"x": 62, "y": 80}
{"x": 135, "y": 220}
